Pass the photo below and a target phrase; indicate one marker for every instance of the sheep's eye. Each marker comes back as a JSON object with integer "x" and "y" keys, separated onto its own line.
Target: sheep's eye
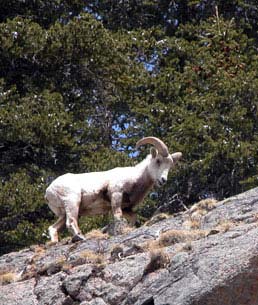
{"x": 158, "y": 162}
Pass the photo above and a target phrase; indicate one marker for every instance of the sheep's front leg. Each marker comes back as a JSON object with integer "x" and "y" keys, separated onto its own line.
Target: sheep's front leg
{"x": 116, "y": 202}
{"x": 119, "y": 224}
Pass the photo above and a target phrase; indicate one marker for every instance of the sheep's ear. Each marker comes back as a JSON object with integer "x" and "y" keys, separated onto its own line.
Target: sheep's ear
{"x": 176, "y": 156}
{"x": 154, "y": 152}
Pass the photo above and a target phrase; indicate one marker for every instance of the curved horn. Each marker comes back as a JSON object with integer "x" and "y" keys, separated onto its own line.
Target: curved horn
{"x": 176, "y": 156}
{"x": 157, "y": 143}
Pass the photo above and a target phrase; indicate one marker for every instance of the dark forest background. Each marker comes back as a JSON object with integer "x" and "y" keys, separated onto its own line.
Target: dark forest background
{"x": 82, "y": 81}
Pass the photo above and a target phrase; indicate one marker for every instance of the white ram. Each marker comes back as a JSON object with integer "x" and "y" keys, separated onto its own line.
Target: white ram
{"x": 119, "y": 189}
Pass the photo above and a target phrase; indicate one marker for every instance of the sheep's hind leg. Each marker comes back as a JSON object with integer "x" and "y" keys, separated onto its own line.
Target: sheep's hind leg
{"x": 55, "y": 228}
{"x": 72, "y": 224}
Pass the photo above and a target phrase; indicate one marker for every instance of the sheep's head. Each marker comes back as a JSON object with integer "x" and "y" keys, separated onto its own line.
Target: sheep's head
{"x": 160, "y": 161}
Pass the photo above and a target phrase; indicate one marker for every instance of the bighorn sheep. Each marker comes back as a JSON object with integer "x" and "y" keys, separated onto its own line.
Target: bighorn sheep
{"x": 119, "y": 189}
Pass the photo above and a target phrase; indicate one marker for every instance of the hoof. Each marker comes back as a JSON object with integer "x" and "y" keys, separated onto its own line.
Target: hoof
{"x": 78, "y": 237}
{"x": 51, "y": 243}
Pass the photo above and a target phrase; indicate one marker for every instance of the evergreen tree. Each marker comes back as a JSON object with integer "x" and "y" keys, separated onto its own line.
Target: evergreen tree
{"x": 203, "y": 101}
{"x": 80, "y": 83}
{"x": 62, "y": 90}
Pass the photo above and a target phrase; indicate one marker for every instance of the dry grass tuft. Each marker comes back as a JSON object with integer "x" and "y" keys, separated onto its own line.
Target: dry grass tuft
{"x": 225, "y": 225}
{"x": 198, "y": 214}
{"x": 92, "y": 257}
{"x": 208, "y": 204}
{"x": 38, "y": 248}
{"x": 8, "y": 278}
{"x": 172, "y": 237}
{"x": 4, "y": 269}
{"x": 205, "y": 204}
{"x": 150, "y": 245}
{"x": 192, "y": 224}
{"x": 39, "y": 253}
{"x": 158, "y": 259}
{"x": 127, "y": 229}
{"x": 61, "y": 260}
{"x": 52, "y": 267}
{"x": 157, "y": 218}
{"x": 197, "y": 211}
{"x": 67, "y": 267}
{"x": 97, "y": 234}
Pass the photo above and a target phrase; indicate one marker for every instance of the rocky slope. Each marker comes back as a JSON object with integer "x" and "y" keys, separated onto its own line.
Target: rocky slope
{"x": 206, "y": 256}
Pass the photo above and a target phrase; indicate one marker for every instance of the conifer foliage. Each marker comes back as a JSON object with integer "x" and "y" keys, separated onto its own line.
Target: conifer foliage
{"x": 80, "y": 83}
